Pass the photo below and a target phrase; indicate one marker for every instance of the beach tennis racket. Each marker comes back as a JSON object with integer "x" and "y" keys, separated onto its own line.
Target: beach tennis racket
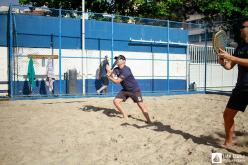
{"x": 219, "y": 41}
{"x": 112, "y": 67}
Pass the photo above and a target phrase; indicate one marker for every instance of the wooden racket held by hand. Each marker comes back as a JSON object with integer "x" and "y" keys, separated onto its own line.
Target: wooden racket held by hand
{"x": 110, "y": 70}
{"x": 112, "y": 67}
{"x": 219, "y": 41}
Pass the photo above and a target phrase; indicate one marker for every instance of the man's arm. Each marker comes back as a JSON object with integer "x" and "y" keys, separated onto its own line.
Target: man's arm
{"x": 114, "y": 78}
{"x": 227, "y": 64}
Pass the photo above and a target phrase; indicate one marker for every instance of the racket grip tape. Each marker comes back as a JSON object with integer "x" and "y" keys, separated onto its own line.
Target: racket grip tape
{"x": 112, "y": 67}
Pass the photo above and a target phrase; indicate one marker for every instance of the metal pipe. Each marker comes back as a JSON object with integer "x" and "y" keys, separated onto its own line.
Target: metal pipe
{"x": 10, "y": 62}
{"x": 84, "y": 61}
{"x": 60, "y": 45}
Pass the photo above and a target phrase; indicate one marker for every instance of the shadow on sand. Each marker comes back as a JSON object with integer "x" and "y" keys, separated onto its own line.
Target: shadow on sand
{"x": 67, "y": 102}
{"x": 107, "y": 111}
{"x": 205, "y": 140}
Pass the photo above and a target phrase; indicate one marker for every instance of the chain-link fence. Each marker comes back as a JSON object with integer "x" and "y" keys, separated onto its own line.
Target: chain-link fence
{"x": 52, "y": 53}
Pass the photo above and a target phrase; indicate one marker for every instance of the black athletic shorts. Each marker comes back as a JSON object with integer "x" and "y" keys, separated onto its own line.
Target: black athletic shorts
{"x": 238, "y": 100}
{"x": 124, "y": 95}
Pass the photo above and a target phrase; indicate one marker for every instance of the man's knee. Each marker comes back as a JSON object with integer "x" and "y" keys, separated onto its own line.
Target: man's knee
{"x": 117, "y": 101}
{"x": 225, "y": 115}
{"x": 229, "y": 114}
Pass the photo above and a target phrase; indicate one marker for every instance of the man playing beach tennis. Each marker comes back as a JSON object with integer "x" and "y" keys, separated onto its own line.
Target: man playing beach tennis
{"x": 123, "y": 75}
{"x": 239, "y": 99}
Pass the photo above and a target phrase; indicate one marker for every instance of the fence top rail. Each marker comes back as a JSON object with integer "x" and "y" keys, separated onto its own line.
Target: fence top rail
{"x": 45, "y": 11}
{"x": 208, "y": 46}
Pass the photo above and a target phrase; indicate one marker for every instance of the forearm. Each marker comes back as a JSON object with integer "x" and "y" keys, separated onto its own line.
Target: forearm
{"x": 240, "y": 61}
{"x": 232, "y": 60}
{"x": 113, "y": 79}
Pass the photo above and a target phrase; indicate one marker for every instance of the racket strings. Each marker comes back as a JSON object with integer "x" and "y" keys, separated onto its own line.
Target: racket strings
{"x": 220, "y": 41}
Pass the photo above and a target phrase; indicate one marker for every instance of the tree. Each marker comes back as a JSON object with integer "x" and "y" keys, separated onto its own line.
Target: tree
{"x": 178, "y": 10}
{"x": 228, "y": 9}
{"x": 98, "y": 6}
{"x": 64, "y": 4}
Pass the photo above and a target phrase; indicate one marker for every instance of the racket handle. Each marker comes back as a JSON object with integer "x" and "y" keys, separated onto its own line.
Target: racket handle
{"x": 112, "y": 67}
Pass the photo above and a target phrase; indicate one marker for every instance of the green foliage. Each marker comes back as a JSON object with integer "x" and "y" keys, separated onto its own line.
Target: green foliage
{"x": 228, "y": 9}
{"x": 159, "y": 9}
{"x": 23, "y": 2}
{"x": 64, "y": 4}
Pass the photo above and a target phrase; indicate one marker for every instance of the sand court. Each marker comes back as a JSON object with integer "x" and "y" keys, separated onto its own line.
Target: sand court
{"x": 186, "y": 129}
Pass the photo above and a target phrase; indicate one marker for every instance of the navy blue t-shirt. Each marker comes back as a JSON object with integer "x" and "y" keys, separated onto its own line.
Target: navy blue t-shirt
{"x": 242, "y": 81}
{"x": 129, "y": 83}
{"x": 103, "y": 71}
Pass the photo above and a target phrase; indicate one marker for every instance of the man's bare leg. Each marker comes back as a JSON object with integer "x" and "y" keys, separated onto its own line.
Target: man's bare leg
{"x": 102, "y": 88}
{"x": 228, "y": 116}
{"x": 145, "y": 113}
{"x": 117, "y": 103}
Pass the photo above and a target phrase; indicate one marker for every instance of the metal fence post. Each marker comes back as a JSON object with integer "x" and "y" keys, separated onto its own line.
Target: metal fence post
{"x": 187, "y": 67}
{"x": 152, "y": 69}
{"x": 168, "y": 56}
{"x": 205, "y": 52}
{"x": 112, "y": 47}
{"x": 10, "y": 53}
{"x": 84, "y": 55}
{"x": 60, "y": 44}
